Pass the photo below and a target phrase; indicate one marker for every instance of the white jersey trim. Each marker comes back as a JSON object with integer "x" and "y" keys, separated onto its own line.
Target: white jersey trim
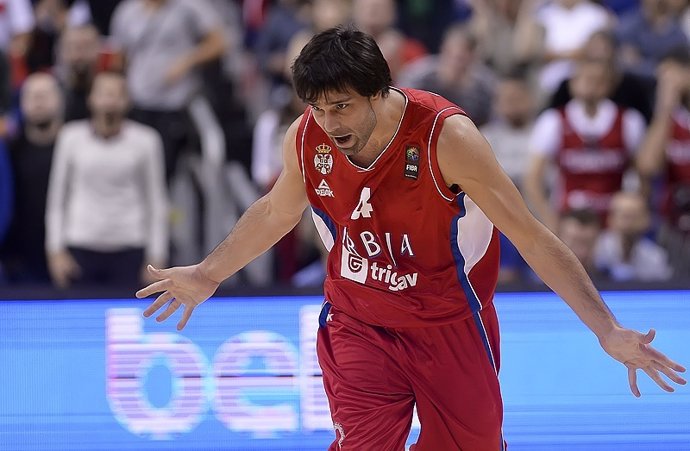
{"x": 431, "y": 137}
{"x": 304, "y": 134}
{"x": 473, "y": 247}
{"x": 325, "y": 233}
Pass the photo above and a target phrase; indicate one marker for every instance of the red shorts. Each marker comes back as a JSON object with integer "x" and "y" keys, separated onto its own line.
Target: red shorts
{"x": 374, "y": 376}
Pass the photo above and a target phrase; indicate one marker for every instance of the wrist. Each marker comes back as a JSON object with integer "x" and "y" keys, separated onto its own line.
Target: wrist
{"x": 606, "y": 328}
{"x": 206, "y": 272}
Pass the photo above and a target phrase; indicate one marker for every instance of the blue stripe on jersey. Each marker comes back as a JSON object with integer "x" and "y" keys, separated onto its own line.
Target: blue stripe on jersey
{"x": 485, "y": 338}
{"x": 471, "y": 297}
{"x": 323, "y": 316}
{"x": 328, "y": 221}
{"x": 487, "y": 346}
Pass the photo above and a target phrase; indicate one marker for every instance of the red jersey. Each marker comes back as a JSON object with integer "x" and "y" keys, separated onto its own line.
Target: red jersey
{"x": 591, "y": 169}
{"x": 405, "y": 250}
{"x": 677, "y": 162}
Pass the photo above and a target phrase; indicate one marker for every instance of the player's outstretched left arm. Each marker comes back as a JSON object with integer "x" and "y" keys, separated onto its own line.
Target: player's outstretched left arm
{"x": 466, "y": 159}
{"x": 259, "y": 228}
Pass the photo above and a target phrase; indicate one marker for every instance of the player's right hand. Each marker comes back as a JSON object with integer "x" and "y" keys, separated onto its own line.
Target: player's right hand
{"x": 182, "y": 285}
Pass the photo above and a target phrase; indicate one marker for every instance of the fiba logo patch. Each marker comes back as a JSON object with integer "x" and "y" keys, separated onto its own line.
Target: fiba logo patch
{"x": 354, "y": 267}
{"x": 323, "y": 160}
{"x": 339, "y": 433}
{"x": 411, "y": 162}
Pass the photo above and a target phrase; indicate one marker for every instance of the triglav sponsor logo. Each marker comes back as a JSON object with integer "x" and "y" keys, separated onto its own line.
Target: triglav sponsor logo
{"x": 357, "y": 268}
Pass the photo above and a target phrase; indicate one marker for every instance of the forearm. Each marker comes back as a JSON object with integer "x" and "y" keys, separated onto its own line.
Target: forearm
{"x": 259, "y": 228}
{"x": 211, "y": 48}
{"x": 558, "y": 267}
{"x": 651, "y": 155}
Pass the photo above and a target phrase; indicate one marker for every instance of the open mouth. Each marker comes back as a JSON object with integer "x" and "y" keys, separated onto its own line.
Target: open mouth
{"x": 343, "y": 140}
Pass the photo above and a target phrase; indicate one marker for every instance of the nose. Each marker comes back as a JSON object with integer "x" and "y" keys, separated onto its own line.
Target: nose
{"x": 330, "y": 123}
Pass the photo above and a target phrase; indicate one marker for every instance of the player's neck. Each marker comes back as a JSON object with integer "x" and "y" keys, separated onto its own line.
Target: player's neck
{"x": 389, "y": 114}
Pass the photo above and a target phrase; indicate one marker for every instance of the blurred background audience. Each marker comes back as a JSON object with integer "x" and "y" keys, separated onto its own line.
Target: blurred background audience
{"x": 586, "y": 104}
{"x": 42, "y": 110}
{"x": 107, "y": 204}
{"x": 622, "y": 251}
{"x": 591, "y": 141}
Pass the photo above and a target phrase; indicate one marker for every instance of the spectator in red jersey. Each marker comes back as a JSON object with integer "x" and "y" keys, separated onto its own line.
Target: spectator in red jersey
{"x": 555, "y": 36}
{"x": 665, "y": 152}
{"x": 407, "y": 197}
{"x": 628, "y": 90}
{"x": 591, "y": 141}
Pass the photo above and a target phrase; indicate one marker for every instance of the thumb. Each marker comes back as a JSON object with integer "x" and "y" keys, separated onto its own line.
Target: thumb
{"x": 649, "y": 336}
{"x": 153, "y": 270}
{"x": 157, "y": 272}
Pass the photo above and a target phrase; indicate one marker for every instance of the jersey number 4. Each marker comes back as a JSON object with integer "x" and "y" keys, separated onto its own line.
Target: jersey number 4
{"x": 364, "y": 208}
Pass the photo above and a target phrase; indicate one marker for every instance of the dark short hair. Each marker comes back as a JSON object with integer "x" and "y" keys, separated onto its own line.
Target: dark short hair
{"x": 583, "y": 216}
{"x": 462, "y": 31}
{"x": 678, "y": 54}
{"x": 339, "y": 59}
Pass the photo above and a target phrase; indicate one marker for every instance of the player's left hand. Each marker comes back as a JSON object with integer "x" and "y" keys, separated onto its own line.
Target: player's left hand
{"x": 633, "y": 350}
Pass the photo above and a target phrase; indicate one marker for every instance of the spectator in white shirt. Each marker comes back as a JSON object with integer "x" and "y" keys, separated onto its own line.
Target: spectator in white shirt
{"x": 509, "y": 130}
{"x": 107, "y": 205}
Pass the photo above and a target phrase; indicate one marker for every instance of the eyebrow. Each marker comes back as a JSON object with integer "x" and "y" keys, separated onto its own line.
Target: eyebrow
{"x": 336, "y": 101}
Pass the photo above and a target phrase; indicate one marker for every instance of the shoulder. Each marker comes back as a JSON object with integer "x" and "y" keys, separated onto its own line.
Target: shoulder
{"x": 632, "y": 117}
{"x": 427, "y": 100}
{"x": 294, "y": 128}
{"x": 459, "y": 136}
{"x": 294, "y": 134}
{"x": 198, "y": 9}
{"x": 549, "y": 119}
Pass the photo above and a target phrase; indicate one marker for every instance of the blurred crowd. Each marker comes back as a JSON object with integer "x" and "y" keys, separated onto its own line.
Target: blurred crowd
{"x": 135, "y": 132}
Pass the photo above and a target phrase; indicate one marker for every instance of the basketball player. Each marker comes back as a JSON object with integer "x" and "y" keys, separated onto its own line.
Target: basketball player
{"x": 408, "y": 197}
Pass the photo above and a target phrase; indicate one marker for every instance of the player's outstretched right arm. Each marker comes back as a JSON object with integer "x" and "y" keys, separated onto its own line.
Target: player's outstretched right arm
{"x": 259, "y": 228}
